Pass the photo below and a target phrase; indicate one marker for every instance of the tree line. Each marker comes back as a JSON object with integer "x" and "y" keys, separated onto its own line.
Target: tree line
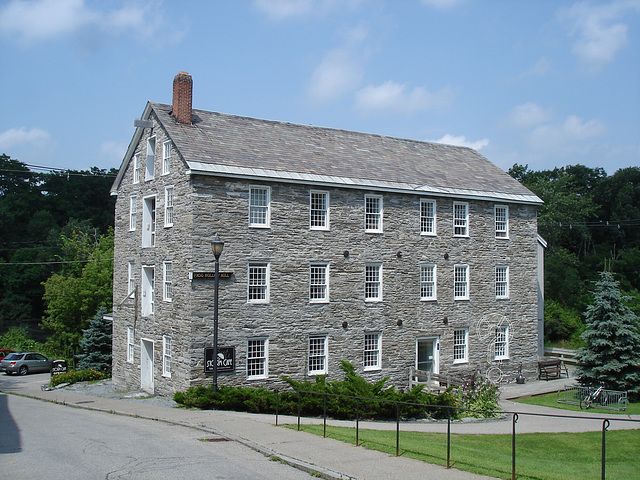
{"x": 56, "y": 246}
{"x": 56, "y": 251}
{"x": 591, "y": 223}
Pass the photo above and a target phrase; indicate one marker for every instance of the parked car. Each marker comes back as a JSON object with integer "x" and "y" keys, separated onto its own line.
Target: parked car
{"x": 4, "y": 352}
{"x": 25, "y": 362}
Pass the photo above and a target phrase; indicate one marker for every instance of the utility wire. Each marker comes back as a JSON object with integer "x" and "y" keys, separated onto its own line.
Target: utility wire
{"x": 61, "y": 262}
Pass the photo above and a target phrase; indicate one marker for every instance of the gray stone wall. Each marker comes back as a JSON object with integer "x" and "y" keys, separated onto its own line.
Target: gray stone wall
{"x": 204, "y": 206}
{"x": 290, "y": 246}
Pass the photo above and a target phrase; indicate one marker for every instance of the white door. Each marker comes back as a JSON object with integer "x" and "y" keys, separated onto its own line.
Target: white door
{"x": 427, "y": 354}
{"x": 146, "y": 366}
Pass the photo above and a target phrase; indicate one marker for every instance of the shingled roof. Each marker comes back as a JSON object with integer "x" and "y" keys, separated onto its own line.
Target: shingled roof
{"x": 230, "y": 145}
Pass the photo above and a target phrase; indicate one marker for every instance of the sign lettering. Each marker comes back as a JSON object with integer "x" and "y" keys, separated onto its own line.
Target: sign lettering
{"x": 226, "y": 359}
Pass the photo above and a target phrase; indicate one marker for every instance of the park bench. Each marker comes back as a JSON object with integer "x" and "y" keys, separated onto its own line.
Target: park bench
{"x": 551, "y": 368}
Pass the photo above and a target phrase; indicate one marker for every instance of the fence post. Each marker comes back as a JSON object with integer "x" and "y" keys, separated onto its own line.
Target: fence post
{"x": 397, "y": 429}
{"x": 449, "y": 437}
{"x": 357, "y": 421}
{"x": 298, "y": 411}
{"x": 277, "y": 405}
{"x": 605, "y": 426}
{"x": 513, "y": 447}
{"x": 324, "y": 433}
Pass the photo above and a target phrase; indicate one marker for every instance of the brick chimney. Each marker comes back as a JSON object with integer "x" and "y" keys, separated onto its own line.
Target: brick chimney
{"x": 182, "y": 95}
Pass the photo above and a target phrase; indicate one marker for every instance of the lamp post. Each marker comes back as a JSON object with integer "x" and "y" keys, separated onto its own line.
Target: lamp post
{"x": 216, "y": 246}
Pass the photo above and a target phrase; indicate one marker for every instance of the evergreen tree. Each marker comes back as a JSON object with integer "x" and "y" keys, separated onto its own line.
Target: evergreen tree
{"x": 96, "y": 344}
{"x": 612, "y": 354}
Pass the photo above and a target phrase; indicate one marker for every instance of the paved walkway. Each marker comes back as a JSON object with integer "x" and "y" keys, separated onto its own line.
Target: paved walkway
{"x": 333, "y": 459}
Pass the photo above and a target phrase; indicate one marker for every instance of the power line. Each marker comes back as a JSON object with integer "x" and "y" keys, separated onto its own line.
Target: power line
{"x": 61, "y": 262}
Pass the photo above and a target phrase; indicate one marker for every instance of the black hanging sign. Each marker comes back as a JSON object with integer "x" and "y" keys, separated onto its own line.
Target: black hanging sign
{"x": 226, "y": 359}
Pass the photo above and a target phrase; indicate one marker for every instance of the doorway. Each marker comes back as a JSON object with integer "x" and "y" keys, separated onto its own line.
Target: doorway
{"x": 146, "y": 366}
{"x": 427, "y": 354}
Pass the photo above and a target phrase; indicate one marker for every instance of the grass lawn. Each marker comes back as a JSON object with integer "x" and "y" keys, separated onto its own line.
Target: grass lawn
{"x": 539, "y": 456}
{"x": 551, "y": 400}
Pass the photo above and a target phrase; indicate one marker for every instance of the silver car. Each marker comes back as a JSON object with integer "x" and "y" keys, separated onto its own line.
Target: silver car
{"x": 25, "y": 362}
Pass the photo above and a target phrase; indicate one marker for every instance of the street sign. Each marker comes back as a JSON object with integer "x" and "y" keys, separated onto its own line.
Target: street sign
{"x": 226, "y": 359}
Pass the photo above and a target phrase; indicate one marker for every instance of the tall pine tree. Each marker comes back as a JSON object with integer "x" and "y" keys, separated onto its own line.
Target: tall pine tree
{"x": 96, "y": 344}
{"x": 612, "y": 353}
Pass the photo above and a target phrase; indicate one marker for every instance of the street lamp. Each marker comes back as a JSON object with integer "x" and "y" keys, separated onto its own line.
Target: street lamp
{"x": 216, "y": 246}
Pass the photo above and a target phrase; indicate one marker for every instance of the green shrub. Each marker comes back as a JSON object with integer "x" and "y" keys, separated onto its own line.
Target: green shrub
{"x": 261, "y": 400}
{"x": 479, "y": 395}
{"x": 74, "y": 376}
{"x": 17, "y": 338}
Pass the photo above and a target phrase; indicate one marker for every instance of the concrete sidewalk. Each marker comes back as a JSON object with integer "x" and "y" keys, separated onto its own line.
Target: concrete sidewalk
{"x": 332, "y": 459}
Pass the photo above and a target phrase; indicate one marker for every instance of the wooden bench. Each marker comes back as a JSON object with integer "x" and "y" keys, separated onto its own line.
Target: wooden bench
{"x": 551, "y": 368}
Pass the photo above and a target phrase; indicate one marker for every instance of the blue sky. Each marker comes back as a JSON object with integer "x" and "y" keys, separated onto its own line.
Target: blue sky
{"x": 543, "y": 83}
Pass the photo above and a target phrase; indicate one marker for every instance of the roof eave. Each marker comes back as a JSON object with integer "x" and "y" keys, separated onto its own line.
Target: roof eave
{"x": 130, "y": 150}
{"x": 199, "y": 168}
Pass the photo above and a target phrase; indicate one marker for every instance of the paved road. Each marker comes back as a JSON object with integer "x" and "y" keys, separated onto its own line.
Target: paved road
{"x": 45, "y": 440}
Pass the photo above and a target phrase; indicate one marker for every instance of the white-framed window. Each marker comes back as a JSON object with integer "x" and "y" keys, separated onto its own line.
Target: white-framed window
{"x": 461, "y": 346}
{"x": 318, "y": 282}
{"x": 461, "y": 282}
{"x": 258, "y": 283}
{"x": 502, "y": 221}
{"x": 317, "y": 354}
{"x": 166, "y": 356}
{"x": 167, "y": 282}
{"x": 373, "y": 213}
{"x": 148, "y": 286}
{"x": 373, "y": 282}
{"x": 168, "y": 206}
{"x": 257, "y": 355}
{"x": 149, "y": 222}
{"x": 133, "y": 212}
{"x": 460, "y": 219}
{"x": 166, "y": 157}
{"x": 318, "y": 210}
{"x": 372, "y": 351}
{"x": 150, "y": 171}
{"x": 259, "y": 206}
{"x": 130, "y": 344}
{"x": 136, "y": 168}
{"x": 502, "y": 281}
{"x": 501, "y": 346}
{"x": 427, "y": 217}
{"x": 131, "y": 279}
{"x": 428, "y": 282}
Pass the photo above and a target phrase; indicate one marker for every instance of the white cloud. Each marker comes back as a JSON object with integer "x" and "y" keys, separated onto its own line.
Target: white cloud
{"x": 396, "y": 97}
{"x": 599, "y": 30}
{"x": 281, "y": 9}
{"x": 540, "y": 68}
{"x": 442, "y": 3}
{"x": 461, "y": 141}
{"x": 112, "y": 153}
{"x": 568, "y": 135}
{"x": 528, "y": 115}
{"x": 285, "y": 9}
{"x": 34, "y": 21}
{"x": 21, "y": 137}
{"x": 339, "y": 72}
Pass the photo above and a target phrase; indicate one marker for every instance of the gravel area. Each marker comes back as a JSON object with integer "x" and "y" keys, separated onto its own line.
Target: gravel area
{"x": 104, "y": 388}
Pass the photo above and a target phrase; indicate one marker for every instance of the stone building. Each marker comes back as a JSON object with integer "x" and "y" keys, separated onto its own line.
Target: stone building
{"x": 339, "y": 245}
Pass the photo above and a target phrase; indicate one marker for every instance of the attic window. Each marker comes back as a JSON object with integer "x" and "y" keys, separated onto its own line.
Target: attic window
{"x": 150, "y": 172}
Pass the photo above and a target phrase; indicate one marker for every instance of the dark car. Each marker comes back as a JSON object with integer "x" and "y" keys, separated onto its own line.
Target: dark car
{"x": 25, "y": 362}
{"x": 4, "y": 352}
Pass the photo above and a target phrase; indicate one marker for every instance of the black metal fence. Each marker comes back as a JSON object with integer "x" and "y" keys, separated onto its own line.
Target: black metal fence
{"x": 606, "y": 422}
